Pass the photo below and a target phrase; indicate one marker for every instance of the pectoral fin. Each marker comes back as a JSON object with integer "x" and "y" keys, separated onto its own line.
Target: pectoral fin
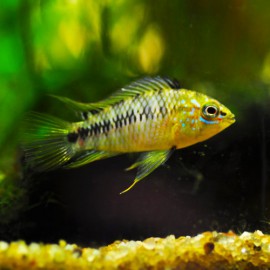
{"x": 147, "y": 163}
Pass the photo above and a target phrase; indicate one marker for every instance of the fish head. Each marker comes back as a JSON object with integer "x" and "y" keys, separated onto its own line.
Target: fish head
{"x": 213, "y": 117}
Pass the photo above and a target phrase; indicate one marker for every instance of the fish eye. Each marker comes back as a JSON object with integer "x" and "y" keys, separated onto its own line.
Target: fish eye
{"x": 210, "y": 111}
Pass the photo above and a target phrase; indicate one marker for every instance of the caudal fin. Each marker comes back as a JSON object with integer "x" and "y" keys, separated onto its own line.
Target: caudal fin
{"x": 45, "y": 143}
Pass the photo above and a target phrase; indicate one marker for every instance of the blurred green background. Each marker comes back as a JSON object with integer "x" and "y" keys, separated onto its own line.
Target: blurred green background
{"x": 86, "y": 49}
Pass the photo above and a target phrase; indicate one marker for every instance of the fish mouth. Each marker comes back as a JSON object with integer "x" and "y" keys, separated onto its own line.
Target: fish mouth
{"x": 231, "y": 119}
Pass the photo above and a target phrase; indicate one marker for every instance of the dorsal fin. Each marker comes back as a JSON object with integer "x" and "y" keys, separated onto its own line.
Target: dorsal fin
{"x": 76, "y": 105}
{"x": 150, "y": 84}
{"x": 136, "y": 88}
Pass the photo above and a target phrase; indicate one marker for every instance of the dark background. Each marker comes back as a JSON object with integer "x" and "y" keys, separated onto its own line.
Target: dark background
{"x": 86, "y": 50}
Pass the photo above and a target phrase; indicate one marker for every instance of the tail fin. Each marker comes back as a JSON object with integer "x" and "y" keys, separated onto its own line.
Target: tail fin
{"x": 45, "y": 143}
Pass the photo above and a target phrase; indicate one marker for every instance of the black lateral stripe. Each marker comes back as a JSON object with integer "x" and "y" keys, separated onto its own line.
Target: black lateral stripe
{"x": 122, "y": 121}
{"x": 84, "y": 115}
{"x": 132, "y": 117}
{"x": 107, "y": 125}
{"x": 94, "y": 112}
{"x": 72, "y": 137}
{"x": 96, "y": 128}
{"x": 119, "y": 120}
{"x": 83, "y": 132}
{"x": 90, "y": 133}
{"x": 116, "y": 123}
{"x": 163, "y": 110}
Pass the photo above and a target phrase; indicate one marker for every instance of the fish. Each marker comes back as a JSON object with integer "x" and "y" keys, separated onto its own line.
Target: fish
{"x": 153, "y": 116}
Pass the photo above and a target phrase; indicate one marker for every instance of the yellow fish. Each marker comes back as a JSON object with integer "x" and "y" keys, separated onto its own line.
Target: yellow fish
{"x": 152, "y": 115}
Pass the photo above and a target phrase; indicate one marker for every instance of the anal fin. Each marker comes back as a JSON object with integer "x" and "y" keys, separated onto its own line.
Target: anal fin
{"x": 147, "y": 163}
{"x": 89, "y": 156}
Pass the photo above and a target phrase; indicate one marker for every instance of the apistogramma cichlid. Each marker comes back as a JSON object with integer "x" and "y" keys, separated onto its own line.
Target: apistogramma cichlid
{"x": 151, "y": 115}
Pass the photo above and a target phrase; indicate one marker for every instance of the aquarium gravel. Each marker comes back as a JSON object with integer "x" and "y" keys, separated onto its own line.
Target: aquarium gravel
{"x": 209, "y": 250}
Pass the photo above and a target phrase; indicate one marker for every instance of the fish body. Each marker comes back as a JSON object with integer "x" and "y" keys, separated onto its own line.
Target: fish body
{"x": 151, "y": 115}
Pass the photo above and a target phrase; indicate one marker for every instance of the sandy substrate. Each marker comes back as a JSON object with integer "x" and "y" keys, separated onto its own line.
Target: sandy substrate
{"x": 209, "y": 250}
